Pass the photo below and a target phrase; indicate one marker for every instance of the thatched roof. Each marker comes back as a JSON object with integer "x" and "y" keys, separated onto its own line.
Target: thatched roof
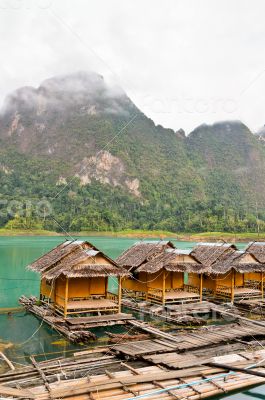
{"x": 188, "y": 267}
{"x": 142, "y": 252}
{"x": 75, "y": 260}
{"x": 167, "y": 260}
{"x": 58, "y": 253}
{"x": 235, "y": 260}
{"x": 257, "y": 249}
{"x": 157, "y": 263}
{"x": 209, "y": 253}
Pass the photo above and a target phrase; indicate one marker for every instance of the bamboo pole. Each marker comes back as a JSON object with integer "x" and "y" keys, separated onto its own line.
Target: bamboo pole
{"x": 201, "y": 279}
{"x": 164, "y": 288}
{"x": 54, "y": 296}
{"x": 237, "y": 369}
{"x": 236, "y": 316}
{"x": 9, "y": 363}
{"x": 146, "y": 293}
{"x": 40, "y": 290}
{"x": 262, "y": 289}
{"x": 66, "y": 298}
{"x": 119, "y": 293}
{"x": 233, "y": 286}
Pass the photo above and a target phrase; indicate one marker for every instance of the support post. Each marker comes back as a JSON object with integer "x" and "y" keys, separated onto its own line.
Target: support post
{"x": 164, "y": 288}
{"x": 262, "y": 289}
{"x": 106, "y": 286}
{"x": 233, "y": 286}
{"x": 40, "y": 289}
{"x": 201, "y": 278}
{"x": 146, "y": 293}
{"x": 66, "y": 298}
{"x": 119, "y": 293}
{"x": 54, "y": 296}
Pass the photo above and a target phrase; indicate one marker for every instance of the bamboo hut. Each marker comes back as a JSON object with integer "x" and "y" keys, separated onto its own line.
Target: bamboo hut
{"x": 74, "y": 280}
{"x": 158, "y": 273}
{"x": 165, "y": 278}
{"x": 230, "y": 276}
{"x": 228, "y": 271}
{"x": 257, "y": 250}
{"x": 141, "y": 252}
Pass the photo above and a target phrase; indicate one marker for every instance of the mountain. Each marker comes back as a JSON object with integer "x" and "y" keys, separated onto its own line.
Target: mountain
{"x": 81, "y": 145}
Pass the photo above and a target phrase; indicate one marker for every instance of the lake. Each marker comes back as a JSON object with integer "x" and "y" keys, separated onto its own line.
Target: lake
{"x": 24, "y": 333}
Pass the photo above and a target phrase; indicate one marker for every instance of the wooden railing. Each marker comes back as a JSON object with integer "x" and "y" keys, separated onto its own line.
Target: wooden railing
{"x": 223, "y": 289}
{"x": 129, "y": 293}
{"x": 112, "y": 296}
{"x": 191, "y": 289}
{"x": 252, "y": 284}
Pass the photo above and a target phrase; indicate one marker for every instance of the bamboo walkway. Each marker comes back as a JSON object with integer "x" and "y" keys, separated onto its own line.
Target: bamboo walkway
{"x": 186, "y": 366}
{"x": 101, "y": 375}
{"x": 187, "y": 341}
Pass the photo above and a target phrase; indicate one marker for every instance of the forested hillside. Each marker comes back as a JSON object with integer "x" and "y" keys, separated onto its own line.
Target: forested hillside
{"x": 85, "y": 148}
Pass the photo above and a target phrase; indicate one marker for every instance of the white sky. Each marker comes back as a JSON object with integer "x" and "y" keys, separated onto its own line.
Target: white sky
{"x": 183, "y": 62}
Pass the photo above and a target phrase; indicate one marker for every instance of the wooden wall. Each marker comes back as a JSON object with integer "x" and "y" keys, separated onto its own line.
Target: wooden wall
{"x": 174, "y": 280}
{"x": 211, "y": 282}
{"x": 46, "y": 289}
{"x": 60, "y": 290}
{"x": 85, "y": 287}
{"x": 194, "y": 279}
{"x": 138, "y": 284}
{"x": 77, "y": 287}
{"x": 177, "y": 280}
{"x": 253, "y": 276}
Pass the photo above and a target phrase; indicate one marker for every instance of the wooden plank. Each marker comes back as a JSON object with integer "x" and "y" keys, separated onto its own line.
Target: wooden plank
{"x": 21, "y": 393}
{"x": 101, "y": 318}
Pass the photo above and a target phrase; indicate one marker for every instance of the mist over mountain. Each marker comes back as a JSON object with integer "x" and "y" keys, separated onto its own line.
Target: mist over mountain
{"x": 82, "y": 144}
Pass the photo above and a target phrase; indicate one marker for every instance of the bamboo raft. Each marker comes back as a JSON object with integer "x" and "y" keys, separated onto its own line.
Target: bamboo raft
{"x": 185, "y": 314}
{"x": 256, "y": 306}
{"x": 101, "y": 375}
{"x": 75, "y": 329}
{"x": 201, "y": 338}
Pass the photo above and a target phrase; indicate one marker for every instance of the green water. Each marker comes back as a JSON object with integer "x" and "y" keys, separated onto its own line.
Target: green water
{"x": 26, "y": 334}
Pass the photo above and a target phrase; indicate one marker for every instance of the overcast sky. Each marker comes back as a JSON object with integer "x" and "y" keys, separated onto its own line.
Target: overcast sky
{"x": 183, "y": 62}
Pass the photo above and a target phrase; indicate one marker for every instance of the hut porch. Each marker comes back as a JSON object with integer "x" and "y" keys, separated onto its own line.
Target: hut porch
{"x": 89, "y": 306}
{"x": 238, "y": 292}
{"x": 174, "y": 296}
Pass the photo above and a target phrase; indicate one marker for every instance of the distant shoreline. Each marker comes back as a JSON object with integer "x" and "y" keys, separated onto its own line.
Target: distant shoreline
{"x": 192, "y": 237}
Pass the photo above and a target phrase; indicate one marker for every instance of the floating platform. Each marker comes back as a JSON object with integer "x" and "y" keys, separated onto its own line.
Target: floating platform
{"x": 102, "y": 320}
{"x": 200, "y": 338}
{"x": 74, "y": 328}
{"x": 256, "y": 306}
